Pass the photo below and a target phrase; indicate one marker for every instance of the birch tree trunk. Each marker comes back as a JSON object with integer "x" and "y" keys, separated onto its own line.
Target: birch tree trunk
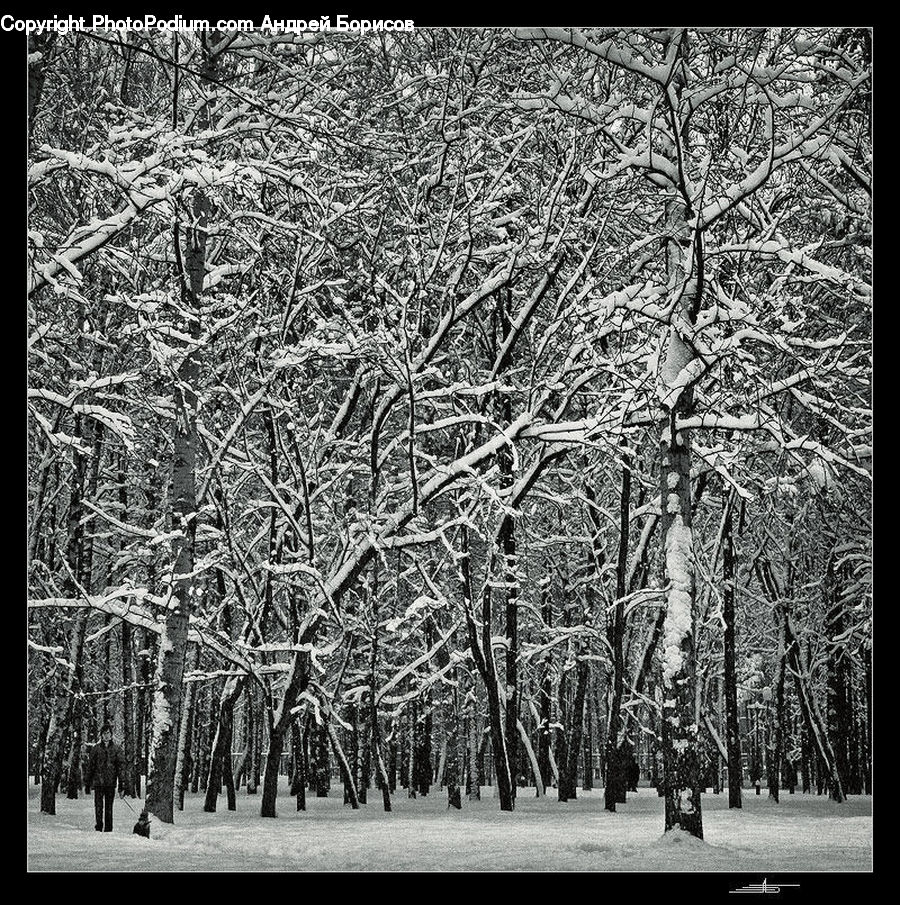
{"x": 173, "y": 642}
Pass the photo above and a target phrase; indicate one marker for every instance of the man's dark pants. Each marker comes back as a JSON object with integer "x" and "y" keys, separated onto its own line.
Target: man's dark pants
{"x": 103, "y": 807}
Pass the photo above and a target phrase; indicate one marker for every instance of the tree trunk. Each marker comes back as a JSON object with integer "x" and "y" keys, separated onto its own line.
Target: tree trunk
{"x": 615, "y": 633}
{"x": 806, "y": 758}
{"x": 184, "y": 760}
{"x": 141, "y": 727}
{"x": 220, "y": 760}
{"x": 392, "y": 763}
{"x": 473, "y": 780}
{"x": 732, "y": 723}
{"x": 424, "y": 752}
{"x": 575, "y": 742}
{"x": 825, "y": 765}
{"x": 301, "y": 769}
{"x": 374, "y": 735}
{"x": 508, "y": 546}
{"x": 251, "y": 762}
{"x": 412, "y": 747}
{"x": 482, "y": 651}
{"x": 63, "y": 707}
{"x": 587, "y": 783}
{"x": 680, "y": 739}
{"x": 776, "y": 729}
{"x": 323, "y": 767}
{"x": 839, "y": 715}
{"x": 450, "y": 713}
{"x": 346, "y": 774}
{"x": 128, "y": 699}
{"x": 562, "y": 739}
{"x": 73, "y": 781}
{"x": 352, "y": 741}
{"x": 545, "y": 697}
{"x": 194, "y": 742}
{"x": 364, "y": 756}
{"x": 279, "y": 725}
{"x": 167, "y": 696}
{"x": 867, "y": 776}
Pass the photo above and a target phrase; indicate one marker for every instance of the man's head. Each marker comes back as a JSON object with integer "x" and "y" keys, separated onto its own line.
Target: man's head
{"x": 106, "y": 734}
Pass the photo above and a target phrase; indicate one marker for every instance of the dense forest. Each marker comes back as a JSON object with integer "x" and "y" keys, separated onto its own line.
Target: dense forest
{"x": 415, "y": 411}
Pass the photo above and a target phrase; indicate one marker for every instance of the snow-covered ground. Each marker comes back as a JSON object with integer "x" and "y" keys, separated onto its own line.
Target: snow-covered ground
{"x": 802, "y": 833}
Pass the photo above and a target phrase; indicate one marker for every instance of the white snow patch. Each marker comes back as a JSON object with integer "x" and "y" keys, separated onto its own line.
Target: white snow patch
{"x": 808, "y": 832}
{"x": 679, "y": 598}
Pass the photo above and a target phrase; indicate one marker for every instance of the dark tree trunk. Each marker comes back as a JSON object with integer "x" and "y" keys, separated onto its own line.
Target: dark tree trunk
{"x": 562, "y": 740}
{"x": 73, "y": 781}
{"x": 412, "y": 747}
{"x": 392, "y": 764}
{"x": 545, "y": 699}
{"x": 351, "y": 739}
{"x": 451, "y": 721}
{"x": 207, "y": 713}
{"x": 508, "y": 546}
{"x": 323, "y": 768}
{"x": 776, "y": 728}
{"x": 577, "y": 729}
{"x": 220, "y": 760}
{"x": 732, "y": 726}
{"x": 279, "y": 725}
{"x": 364, "y": 757}
{"x": 867, "y": 776}
{"x": 854, "y": 776}
{"x": 64, "y": 706}
{"x": 141, "y": 728}
{"x": 187, "y": 751}
{"x": 825, "y": 760}
{"x": 374, "y": 734}
{"x": 588, "y": 754}
{"x": 506, "y": 542}
{"x": 424, "y": 752}
{"x": 806, "y": 758}
{"x": 473, "y": 779}
{"x": 37, "y": 765}
{"x": 482, "y": 651}
{"x": 128, "y": 700}
{"x": 252, "y": 775}
{"x": 615, "y": 632}
{"x": 453, "y": 763}
{"x": 344, "y": 766}
{"x": 302, "y": 767}
{"x": 839, "y": 715}
{"x": 86, "y": 566}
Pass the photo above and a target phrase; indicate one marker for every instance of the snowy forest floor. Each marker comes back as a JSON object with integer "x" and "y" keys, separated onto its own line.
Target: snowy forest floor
{"x": 802, "y": 833}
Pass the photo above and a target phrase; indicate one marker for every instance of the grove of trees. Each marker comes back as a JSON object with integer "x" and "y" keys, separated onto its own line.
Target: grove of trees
{"x": 426, "y": 409}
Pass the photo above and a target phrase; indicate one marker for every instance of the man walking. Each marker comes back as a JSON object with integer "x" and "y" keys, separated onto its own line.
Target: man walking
{"x": 106, "y": 767}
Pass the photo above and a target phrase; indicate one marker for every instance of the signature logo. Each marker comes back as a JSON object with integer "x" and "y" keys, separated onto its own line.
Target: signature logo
{"x": 763, "y": 887}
